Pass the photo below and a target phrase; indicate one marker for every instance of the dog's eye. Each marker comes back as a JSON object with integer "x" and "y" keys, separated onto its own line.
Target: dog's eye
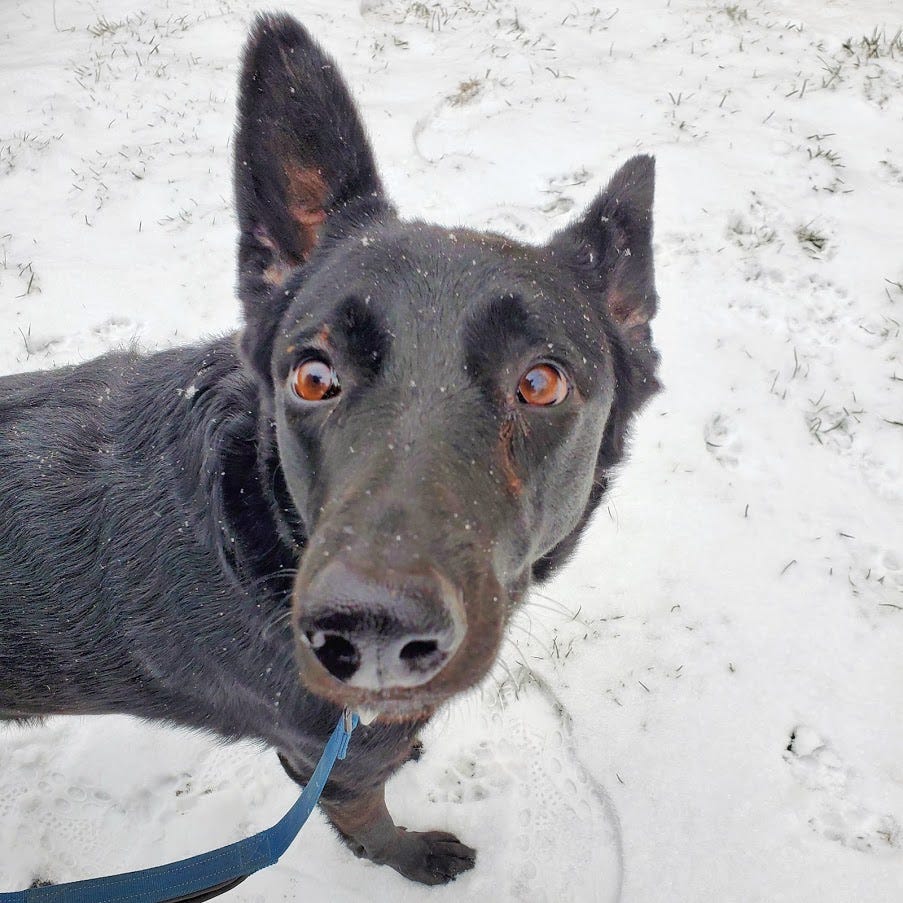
{"x": 543, "y": 384}
{"x": 315, "y": 380}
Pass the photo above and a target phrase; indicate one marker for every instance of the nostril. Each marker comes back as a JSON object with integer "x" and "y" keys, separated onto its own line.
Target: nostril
{"x": 335, "y": 653}
{"x": 422, "y": 656}
{"x": 417, "y": 649}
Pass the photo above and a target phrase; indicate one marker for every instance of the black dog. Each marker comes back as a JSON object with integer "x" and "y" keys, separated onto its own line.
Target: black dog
{"x": 341, "y": 505}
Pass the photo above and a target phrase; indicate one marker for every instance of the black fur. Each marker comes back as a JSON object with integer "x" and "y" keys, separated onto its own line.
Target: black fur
{"x": 165, "y": 517}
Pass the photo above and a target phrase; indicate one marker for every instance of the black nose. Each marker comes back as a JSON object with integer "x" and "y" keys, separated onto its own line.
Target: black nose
{"x": 376, "y": 634}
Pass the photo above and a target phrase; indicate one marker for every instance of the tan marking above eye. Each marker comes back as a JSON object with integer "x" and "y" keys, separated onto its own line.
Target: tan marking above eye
{"x": 315, "y": 380}
{"x": 543, "y": 385}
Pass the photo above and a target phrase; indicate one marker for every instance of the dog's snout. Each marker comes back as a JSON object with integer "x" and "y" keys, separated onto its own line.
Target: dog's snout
{"x": 378, "y": 634}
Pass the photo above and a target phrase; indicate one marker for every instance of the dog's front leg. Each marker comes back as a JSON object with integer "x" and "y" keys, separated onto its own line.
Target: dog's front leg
{"x": 431, "y": 857}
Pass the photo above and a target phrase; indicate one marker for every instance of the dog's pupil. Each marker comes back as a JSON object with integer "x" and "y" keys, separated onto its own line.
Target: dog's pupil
{"x": 315, "y": 380}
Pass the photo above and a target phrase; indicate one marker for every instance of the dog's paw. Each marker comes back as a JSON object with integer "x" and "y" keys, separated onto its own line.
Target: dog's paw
{"x": 430, "y": 857}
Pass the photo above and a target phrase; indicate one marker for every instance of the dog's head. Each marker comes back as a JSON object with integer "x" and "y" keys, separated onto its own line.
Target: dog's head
{"x": 448, "y": 403}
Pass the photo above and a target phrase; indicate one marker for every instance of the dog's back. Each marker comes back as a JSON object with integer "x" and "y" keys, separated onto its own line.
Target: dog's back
{"x": 110, "y": 493}
{"x": 52, "y": 498}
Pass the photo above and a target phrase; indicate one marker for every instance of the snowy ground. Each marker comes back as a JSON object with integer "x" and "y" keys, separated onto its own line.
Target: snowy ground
{"x": 706, "y": 706}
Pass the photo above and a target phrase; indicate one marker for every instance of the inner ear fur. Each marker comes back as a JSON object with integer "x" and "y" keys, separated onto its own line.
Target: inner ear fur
{"x": 301, "y": 154}
{"x": 611, "y": 244}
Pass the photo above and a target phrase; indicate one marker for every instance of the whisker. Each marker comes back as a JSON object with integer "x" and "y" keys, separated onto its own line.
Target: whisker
{"x": 533, "y": 638}
{"x": 556, "y": 604}
{"x": 275, "y": 623}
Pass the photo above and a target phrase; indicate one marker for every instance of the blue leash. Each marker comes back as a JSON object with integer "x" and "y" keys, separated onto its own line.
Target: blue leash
{"x": 210, "y": 874}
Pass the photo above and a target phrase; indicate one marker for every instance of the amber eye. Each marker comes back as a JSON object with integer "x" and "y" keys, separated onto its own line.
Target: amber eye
{"x": 543, "y": 385}
{"x": 315, "y": 381}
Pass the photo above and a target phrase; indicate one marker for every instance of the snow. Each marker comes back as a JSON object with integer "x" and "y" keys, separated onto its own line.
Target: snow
{"x": 706, "y": 704}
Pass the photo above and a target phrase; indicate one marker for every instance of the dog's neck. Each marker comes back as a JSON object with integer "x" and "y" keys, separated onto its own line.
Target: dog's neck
{"x": 250, "y": 515}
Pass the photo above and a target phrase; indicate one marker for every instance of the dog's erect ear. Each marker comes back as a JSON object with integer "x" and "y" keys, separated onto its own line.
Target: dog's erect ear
{"x": 609, "y": 248}
{"x": 302, "y": 160}
{"x": 612, "y": 246}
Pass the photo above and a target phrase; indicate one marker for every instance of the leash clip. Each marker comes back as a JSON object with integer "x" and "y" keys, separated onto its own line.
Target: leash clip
{"x": 349, "y": 723}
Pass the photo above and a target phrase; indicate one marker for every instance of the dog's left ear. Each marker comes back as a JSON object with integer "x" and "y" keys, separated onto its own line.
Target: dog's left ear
{"x": 611, "y": 246}
{"x": 304, "y": 170}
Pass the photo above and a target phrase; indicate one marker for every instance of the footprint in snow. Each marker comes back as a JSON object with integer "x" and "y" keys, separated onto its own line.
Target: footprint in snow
{"x": 723, "y": 440}
{"x": 116, "y": 330}
{"x": 875, "y": 577}
{"x": 473, "y": 776}
{"x": 527, "y": 780}
{"x": 837, "y": 815}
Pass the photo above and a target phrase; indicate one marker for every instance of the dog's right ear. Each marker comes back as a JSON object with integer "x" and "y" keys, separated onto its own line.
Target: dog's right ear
{"x": 303, "y": 166}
